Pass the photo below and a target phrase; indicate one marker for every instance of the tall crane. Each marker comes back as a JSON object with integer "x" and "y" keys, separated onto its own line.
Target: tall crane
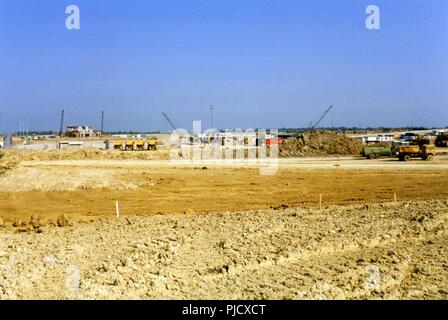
{"x": 61, "y": 129}
{"x": 321, "y": 117}
{"x": 181, "y": 135}
{"x": 102, "y": 122}
{"x": 211, "y": 114}
{"x": 169, "y": 121}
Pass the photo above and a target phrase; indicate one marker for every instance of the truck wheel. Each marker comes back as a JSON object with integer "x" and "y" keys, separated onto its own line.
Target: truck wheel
{"x": 429, "y": 157}
{"x": 407, "y": 157}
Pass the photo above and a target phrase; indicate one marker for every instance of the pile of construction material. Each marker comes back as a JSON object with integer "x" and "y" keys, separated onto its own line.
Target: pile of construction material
{"x": 320, "y": 144}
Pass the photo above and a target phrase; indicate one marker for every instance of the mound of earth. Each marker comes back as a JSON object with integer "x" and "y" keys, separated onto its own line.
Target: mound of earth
{"x": 318, "y": 144}
{"x": 85, "y": 154}
{"x": 7, "y": 162}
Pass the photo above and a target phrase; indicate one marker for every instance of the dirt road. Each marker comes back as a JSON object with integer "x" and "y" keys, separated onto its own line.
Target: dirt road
{"x": 441, "y": 162}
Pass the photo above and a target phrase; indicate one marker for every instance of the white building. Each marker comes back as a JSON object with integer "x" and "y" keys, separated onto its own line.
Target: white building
{"x": 84, "y": 131}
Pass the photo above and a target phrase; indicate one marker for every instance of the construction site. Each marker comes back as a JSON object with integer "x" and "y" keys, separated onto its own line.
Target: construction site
{"x": 343, "y": 217}
{"x": 223, "y": 150}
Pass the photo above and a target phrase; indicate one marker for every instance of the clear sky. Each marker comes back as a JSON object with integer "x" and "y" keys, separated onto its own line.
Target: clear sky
{"x": 270, "y": 64}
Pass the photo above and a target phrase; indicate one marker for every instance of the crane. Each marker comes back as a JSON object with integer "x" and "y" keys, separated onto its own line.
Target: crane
{"x": 181, "y": 135}
{"x": 321, "y": 117}
{"x": 61, "y": 129}
{"x": 169, "y": 121}
{"x": 211, "y": 114}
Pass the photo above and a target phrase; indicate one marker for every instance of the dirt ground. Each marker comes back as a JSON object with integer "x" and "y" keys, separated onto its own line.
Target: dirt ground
{"x": 85, "y": 190}
{"x": 381, "y": 251}
{"x": 223, "y": 231}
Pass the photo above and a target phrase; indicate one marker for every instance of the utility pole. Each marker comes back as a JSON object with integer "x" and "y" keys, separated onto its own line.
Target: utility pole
{"x": 62, "y": 123}
{"x": 211, "y": 114}
{"x": 102, "y": 121}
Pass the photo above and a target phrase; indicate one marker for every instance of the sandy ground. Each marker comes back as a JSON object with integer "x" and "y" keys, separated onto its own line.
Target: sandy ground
{"x": 215, "y": 231}
{"x": 88, "y": 189}
{"x": 383, "y": 251}
{"x": 440, "y": 162}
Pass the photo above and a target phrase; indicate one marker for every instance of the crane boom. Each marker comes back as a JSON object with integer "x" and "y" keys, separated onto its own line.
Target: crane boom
{"x": 322, "y": 117}
{"x": 169, "y": 120}
{"x": 181, "y": 135}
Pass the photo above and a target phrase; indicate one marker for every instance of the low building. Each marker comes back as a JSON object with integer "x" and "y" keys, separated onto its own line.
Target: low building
{"x": 84, "y": 131}
{"x": 44, "y": 137}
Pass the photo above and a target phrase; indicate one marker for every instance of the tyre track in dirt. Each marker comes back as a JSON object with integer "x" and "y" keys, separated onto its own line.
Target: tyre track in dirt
{"x": 277, "y": 254}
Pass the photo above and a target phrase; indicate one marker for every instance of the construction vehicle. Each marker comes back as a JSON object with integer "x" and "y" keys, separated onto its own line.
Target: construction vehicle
{"x": 152, "y": 144}
{"x": 376, "y": 152}
{"x": 442, "y": 140}
{"x": 135, "y": 144}
{"x": 424, "y": 151}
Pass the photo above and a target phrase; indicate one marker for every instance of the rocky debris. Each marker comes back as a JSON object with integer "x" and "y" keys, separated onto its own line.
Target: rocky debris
{"x": 319, "y": 144}
{"x": 39, "y": 224}
{"x": 36, "y": 222}
{"x": 63, "y": 221}
{"x": 279, "y": 207}
{"x": 18, "y": 223}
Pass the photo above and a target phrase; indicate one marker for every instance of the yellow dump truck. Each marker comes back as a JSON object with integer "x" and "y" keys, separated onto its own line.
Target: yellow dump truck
{"x": 135, "y": 144}
{"x": 152, "y": 144}
{"x": 426, "y": 152}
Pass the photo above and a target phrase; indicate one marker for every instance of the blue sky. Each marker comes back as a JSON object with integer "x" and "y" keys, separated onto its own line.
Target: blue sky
{"x": 270, "y": 64}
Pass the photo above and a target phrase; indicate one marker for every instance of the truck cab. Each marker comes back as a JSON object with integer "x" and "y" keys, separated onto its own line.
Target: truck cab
{"x": 425, "y": 152}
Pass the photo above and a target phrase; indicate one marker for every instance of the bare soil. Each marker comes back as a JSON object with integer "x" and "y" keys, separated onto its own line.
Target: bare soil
{"x": 87, "y": 191}
{"x": 380, "y": 251}
{"x": 210, "y": 231}
{"x": 320, "y": 144}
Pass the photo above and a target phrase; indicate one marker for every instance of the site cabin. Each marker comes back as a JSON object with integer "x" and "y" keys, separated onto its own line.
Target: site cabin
{"x": 425, "y": 152}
